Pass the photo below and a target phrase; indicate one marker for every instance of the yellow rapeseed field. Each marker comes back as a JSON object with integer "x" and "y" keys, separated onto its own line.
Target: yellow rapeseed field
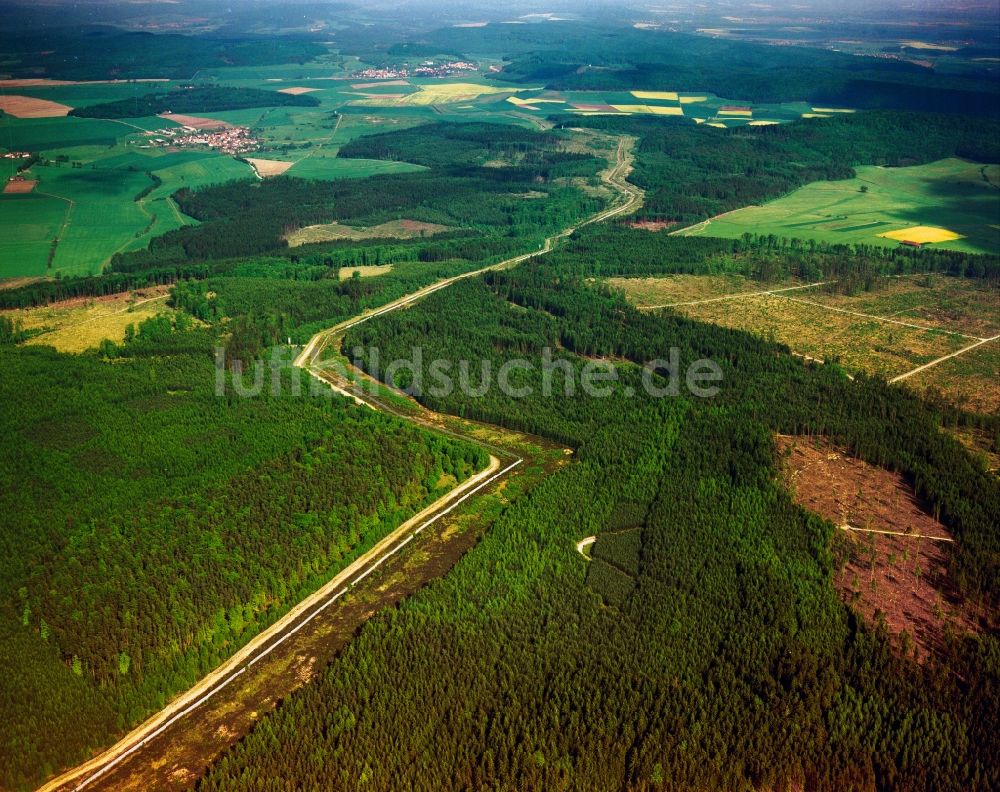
{"x": 922, "y": 235}
{"x": 445, "y": 93}
{"x": 669, "y": 96}
{"x": 438, "y": 93}
{"x": 674, "y": 110}
{"x": 662, "y": 110}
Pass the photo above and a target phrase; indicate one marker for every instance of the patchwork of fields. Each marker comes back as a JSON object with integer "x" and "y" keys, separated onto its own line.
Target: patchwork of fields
{"x": 951, "y": 204}
{"x": 94, "y": 209}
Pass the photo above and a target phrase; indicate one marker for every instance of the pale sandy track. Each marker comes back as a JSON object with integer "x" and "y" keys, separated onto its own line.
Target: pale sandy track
{"x": 734, "y": 296}
{"x": 896, "y": 533}
{"x": 300, "y": 615}
{"x": 268, "y": 640}
{"x": 943, "y": 358}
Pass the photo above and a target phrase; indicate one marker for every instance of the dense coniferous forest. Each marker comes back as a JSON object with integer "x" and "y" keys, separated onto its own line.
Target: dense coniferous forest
{"x": 132, "y": 472}
{"x": 458, "y": 146}
{"x": 121, "y": 480}
{"x": 693, "y": 172}
{"x": 105, "y": 53}
{"x": 623, "y": 250}
{"x": 707, "y": 649}
{"x": 145, "y": 474}
{"x": 245, "y": 218}
{"x": 155, "y": 526}
{"x": 624, "y": 59}
{"x": 206, "y": 99}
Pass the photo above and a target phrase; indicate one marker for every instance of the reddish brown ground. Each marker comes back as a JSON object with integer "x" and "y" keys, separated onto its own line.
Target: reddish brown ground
{"x": 419, "y": 225}
{"x": 19, "y": 186}
{"x": 899, "y": 579}
{"x": 30, "y": 107}
{"x": 651, "y": 225}
{"x": 602, "y": 108}
{"x": 297, "y": 90}
{"x": 78, "y": 302}
{"x": 16, "y": 283}
{"x": 196, "y": 122}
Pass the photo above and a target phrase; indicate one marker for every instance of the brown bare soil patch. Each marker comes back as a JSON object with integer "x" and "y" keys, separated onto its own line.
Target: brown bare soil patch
{"x": 265, "y": 167}
{"x": 595, "y": 108}
{"x": 19, "y": 186}
{"x": 196, "y": 122}
{"x": 30, "y": 107}
{"x": 16, "y": 283}
{"x": 297, "y": 90}
{"x": 898, "y": 579}
{"x": 651, "y": 225}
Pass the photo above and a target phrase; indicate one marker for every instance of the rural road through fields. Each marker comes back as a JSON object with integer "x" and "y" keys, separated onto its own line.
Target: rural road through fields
{"x": 92, "y": 771}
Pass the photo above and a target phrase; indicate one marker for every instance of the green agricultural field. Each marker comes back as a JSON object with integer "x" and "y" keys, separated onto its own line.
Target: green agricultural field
{"x": 950, "y": 194}
{"x": 317, "y": 167}
{"x": 28, "y": 224}
{"x": 93, "y": 211}
{"x": 103, "y": 217}
{"x": 8, "y": 168}
{"x": 46, "y": 134}
{"x": 185, "y": 169}
{"x": 85, "y": 94}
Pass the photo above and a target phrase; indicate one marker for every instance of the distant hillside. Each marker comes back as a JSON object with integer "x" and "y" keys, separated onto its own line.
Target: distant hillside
{"x": 193, "y": 100}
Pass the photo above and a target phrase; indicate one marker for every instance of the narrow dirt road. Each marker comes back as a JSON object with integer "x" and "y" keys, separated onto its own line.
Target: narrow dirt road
{"x": 92, "y": 771}
{"x": 269, "y": 640}
{"x": 615, "y": 176}
{"x": 943, "y": 358}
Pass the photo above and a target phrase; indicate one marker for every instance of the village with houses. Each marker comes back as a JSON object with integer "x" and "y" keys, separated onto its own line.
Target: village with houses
{"x": 233, "y": 140}
{"x": 427, "y": 68}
